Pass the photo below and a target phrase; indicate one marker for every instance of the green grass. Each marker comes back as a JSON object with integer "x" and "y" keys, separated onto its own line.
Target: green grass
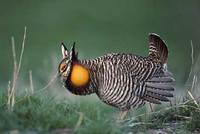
{"x": 44, "y": 113}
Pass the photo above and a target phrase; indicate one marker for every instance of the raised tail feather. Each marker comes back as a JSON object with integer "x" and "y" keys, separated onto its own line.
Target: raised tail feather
{"x": 157, "y": 48}
{"x": 159, "y": 88}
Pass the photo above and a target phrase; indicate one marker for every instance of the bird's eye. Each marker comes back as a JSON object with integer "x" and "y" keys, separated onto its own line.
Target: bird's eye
{"x": 63, "y": 67}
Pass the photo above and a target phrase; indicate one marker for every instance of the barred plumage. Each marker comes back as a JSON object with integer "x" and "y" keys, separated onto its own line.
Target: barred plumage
{"x": 123, "y": 80}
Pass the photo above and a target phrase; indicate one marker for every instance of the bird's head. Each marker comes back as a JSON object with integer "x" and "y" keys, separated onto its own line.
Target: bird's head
{"x": 71, "y": 70}
{"x": 65, "y": 65}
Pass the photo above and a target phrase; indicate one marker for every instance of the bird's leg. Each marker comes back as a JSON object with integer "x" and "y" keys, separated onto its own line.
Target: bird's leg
{"x": 122, "y": 115}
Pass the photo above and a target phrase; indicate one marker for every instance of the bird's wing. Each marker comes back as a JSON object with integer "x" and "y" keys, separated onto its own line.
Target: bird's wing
{"x": 154, "y": 82}
{"x": 159, "y": 87}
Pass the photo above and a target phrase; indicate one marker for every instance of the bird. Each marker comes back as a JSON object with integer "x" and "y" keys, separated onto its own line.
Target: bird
{"x": 121, "y": 80}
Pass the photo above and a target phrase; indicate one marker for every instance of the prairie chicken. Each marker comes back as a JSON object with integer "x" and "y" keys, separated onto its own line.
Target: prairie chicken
{"x": 121, "y": 80}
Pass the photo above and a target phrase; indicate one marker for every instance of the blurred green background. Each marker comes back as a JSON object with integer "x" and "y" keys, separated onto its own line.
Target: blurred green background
{"x": 98, "y": 27}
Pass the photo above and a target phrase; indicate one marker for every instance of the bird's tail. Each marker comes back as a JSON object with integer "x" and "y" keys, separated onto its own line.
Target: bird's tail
{"x": 157, "y": 48}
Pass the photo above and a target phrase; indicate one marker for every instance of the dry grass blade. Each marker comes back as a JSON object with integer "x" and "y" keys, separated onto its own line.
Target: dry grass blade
{"x": 192, "y": 58}
{"x": 31, "y": 82}
{"x": 14, "y": 57}
{"x": 8, "y": 95}
{"x": 11, "y": 90}
{"x": 22, "y": 52}
{"x": 80, "y": 120}
{"x": 194, "y": 81}
{"x": 192, "y": 52}
{"x": 192, "y": 97}
{"x": 151, "y": 107}
{"x": 49, "y": 83}
{"x": 15, "y": 64}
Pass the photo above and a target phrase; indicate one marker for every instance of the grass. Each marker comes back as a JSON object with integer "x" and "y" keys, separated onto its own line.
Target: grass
{"x": 46, "y": 111}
